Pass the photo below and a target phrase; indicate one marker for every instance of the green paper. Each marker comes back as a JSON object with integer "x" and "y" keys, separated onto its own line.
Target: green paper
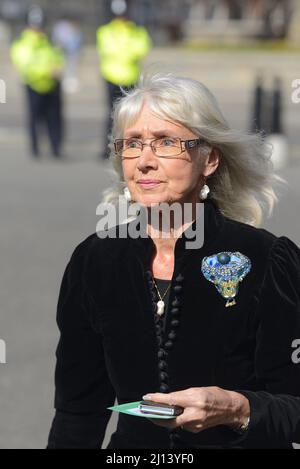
{"x": 131, "y": 408}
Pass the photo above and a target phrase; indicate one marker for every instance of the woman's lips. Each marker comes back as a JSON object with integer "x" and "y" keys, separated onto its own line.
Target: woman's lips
{"x": 149, "y": 184}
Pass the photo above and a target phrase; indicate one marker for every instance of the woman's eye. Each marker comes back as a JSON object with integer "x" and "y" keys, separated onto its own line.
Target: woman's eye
{"x": 168, "y": 142}
{"x": 132, "y": 144}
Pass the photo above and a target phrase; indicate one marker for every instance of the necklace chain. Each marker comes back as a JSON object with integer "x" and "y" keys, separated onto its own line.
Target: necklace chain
{"x": 161, "y": 297}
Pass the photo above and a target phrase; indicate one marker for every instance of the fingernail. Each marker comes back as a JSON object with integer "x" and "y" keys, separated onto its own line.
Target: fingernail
{"x": 147, "y": 396}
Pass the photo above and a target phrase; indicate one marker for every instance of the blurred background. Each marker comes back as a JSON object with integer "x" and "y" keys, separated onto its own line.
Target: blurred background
{"x": 246, "y": 52}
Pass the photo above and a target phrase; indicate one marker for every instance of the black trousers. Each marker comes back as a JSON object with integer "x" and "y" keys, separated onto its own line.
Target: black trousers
{"x": 45, "y": 109}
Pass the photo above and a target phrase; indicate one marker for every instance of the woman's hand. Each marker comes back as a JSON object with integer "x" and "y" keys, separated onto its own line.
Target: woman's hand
{"x": 203, "y": 408}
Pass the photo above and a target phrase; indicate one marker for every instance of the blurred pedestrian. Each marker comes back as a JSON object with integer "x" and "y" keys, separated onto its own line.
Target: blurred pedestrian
{"x": 40, "y": 65}
{"x": 67, "y": 35}
{"x": 121, "y": 45}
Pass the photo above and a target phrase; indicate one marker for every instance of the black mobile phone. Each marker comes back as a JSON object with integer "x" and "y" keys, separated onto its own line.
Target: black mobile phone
{"x": 150, "y": 407}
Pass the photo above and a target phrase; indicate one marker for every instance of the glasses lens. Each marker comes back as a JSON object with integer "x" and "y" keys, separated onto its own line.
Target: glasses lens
{"x": 167, "y": 146}
{"x": 128, "y": 148}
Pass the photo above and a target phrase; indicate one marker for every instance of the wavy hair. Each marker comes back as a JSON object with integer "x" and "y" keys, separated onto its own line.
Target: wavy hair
{"x": 243, "y": 184}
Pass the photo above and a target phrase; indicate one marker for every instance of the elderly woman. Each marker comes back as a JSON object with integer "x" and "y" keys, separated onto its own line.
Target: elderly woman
{"x": 150, "y": 317}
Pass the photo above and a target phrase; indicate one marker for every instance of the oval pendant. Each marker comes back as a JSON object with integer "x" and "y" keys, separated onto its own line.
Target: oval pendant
{"x": 160, "y": 307}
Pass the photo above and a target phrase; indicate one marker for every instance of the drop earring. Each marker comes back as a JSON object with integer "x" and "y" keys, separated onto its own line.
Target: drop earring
{"x": 127, "y": 194}
{"x": 204, "y": 192}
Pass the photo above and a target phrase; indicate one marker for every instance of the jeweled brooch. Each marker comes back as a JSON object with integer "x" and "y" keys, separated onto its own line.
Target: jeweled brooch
{"x": 226, "y": 270}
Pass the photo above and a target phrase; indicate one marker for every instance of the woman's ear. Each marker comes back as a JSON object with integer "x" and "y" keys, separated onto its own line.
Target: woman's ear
{"x": 212, "y": 163}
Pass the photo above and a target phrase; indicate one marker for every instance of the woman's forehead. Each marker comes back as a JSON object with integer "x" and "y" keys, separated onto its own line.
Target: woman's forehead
{"x": 149, "y": 128}
{"x": 149, "y": 122}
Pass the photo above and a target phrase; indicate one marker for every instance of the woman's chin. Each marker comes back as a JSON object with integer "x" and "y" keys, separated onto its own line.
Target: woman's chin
{"x": 151, "y": 201}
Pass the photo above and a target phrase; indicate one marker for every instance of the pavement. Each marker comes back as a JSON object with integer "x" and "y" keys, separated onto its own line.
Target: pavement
{"x": 47, "y": 207}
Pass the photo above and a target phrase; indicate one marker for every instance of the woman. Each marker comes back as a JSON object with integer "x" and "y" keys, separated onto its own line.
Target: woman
{"x": 147, "y": 315}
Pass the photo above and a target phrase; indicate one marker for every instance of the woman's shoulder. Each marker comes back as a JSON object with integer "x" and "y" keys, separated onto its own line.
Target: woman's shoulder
{"x": 106, "y": 243}
{"x": 263, "y": 240}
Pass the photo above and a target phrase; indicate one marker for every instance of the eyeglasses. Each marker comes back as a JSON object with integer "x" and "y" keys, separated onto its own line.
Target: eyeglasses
{"x": 163, "y": 147}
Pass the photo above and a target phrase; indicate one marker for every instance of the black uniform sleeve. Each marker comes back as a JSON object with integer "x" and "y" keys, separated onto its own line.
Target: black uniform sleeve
{"x": 82, "y": 387}
{"x": 275, "y": 410}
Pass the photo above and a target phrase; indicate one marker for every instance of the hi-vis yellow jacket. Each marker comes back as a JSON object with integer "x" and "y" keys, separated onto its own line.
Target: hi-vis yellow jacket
{"x": 37, "y": 60}
{"x": 121, "y": 45}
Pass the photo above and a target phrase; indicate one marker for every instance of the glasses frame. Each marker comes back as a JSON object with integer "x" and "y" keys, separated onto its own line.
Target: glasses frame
{"x": 188, "y": 145}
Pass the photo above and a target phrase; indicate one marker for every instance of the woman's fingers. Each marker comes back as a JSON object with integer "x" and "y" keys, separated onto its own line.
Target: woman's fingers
{"x": 179, "y": 422}
{"x": 176, "y": 422}
{"x": 180, "y": 398}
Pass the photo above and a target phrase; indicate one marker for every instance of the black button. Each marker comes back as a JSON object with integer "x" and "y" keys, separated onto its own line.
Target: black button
{"x": 148, "y": 274}
{"x": 175, "y": 303}
{"x": 175, "y": 311}
{"x": 161, "y": 353}
{"x": 179, "y": 278}
{"x": 159, "y": 340}
{"x": 172, "y": 335}
{"x": 173, "y": 434}
{"x": 163, "y": 376}
{"x": 157, "y": 319}
{"x": 164, "y": 388}
{"x": 174, "y": 323}
{"x": 178, "y": 289}
{"x": 169, "y": 344}
{"x": 162, "y": 365}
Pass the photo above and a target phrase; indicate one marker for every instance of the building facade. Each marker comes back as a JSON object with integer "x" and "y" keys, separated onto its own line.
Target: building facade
{"x": 172, "y": 20}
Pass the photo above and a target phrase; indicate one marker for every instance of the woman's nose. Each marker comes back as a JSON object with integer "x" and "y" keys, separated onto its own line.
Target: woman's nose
{"x": 147, "y": 157}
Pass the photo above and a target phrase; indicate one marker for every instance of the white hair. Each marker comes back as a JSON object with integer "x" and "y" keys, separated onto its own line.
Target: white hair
{"x": 243, "y": 184}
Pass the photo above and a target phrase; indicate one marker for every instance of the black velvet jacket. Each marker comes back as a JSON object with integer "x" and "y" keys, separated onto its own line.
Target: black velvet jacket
{"x": 110, "y": 348}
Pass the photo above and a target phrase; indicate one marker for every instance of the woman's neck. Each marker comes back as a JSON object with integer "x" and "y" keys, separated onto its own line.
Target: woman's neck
{"x": 164, "y": 228}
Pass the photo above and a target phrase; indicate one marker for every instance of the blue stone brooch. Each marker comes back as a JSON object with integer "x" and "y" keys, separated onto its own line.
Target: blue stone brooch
{"x": 226, "y": 270}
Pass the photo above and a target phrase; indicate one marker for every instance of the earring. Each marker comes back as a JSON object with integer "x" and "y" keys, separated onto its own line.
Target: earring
{"x": 204, "y": 192}
{"x": 127, "y": 194}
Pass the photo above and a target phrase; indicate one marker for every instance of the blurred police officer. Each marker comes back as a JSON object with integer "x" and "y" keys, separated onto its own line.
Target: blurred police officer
{"x": 40, "y": 65}
{"x": 121, "y": 45}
